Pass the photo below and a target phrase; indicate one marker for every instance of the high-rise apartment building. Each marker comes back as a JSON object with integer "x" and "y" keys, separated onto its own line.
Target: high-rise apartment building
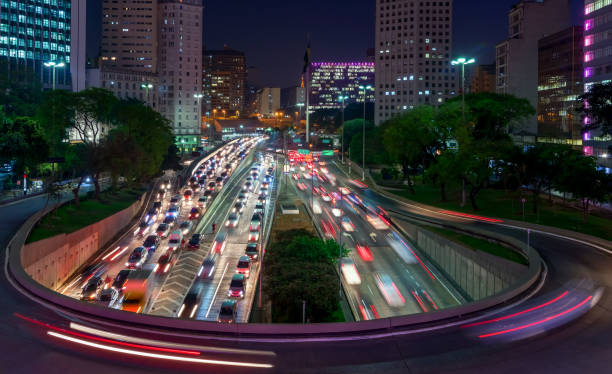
{"x": 559, "y": 85}
{"x": 224, "y": 80}
{"x": 330, "y": 80}
{"x": 129, "y": 35}
{"x": 483, "y": 79}
{"x": 517, "y": 57}
{"x": 152, "y": 51}
{"x": 268, "y": 101}
{"x": 35, "y": 32}
{"x": 598, "y": 68}
{"x": 413, "y": 54}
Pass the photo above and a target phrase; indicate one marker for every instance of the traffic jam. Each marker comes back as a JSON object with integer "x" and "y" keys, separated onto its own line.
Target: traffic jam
{"x": 382, "y": 273}
{"x": 125, "y": 277}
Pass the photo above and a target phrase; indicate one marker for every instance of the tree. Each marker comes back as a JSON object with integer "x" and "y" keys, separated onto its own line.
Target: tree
{"x": 20, "y": 89}
{"x": 22, "y": 139}
{"x": 445, "y": 170}
{"x": 172, "y": 159}
{"x": 353, "y": 127}
{"x": 376, "y": 153}
{"x": 596, "y": 104}
{"x": 55, "y": 114}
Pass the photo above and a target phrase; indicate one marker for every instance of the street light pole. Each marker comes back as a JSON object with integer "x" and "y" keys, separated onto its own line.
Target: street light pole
{"x": 463, "y": 61}
{"x": 342, "y": 98}
{"x": 54, "y": 65}
{"x": 364, "y": 88}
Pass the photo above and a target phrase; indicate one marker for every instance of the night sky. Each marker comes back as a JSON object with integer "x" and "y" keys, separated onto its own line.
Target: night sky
{"x": 272, "y": 33}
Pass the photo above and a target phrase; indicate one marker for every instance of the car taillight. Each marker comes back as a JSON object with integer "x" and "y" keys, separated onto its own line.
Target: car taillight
{"x": 167, "y": 268}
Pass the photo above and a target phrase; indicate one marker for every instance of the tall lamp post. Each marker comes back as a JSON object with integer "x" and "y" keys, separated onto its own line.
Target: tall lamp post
{"x": 54, "y": 65}
{"x": 342, "y": 98}
{"x": 147, "y": 87}
{"x": 463, "y": 61}
{"x": 364, "y": 90}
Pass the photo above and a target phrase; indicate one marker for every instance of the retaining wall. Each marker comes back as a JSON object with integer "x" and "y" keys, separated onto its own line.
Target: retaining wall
{"x": 51, "y": 261}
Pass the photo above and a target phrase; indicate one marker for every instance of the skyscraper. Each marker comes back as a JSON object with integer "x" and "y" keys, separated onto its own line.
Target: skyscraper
{"x": 224, "y": 80}
{"x": 517, "y": 57}
{"x": 597, "y": 68}
{"x": 559, "y": 85}
{"x": 330, "y": 80}
{"x": 413, "y": 54}
{"x": 483, "y": 79}
{"x": 35, "y": 32}
{"x": 152, "y": 51}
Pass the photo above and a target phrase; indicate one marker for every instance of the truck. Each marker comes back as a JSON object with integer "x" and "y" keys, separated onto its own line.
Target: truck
{"x": 136, "y": 290}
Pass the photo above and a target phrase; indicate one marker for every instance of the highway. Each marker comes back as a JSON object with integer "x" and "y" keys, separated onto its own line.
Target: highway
{"x": 581, "y": 344}
{"x": 377, "y": 253}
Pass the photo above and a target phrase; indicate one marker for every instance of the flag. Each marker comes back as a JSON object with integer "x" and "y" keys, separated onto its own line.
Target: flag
{"x": 307, "y": 56}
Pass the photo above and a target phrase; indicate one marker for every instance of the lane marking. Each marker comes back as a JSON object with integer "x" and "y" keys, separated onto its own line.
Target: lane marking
{"x": 217, "y": 290}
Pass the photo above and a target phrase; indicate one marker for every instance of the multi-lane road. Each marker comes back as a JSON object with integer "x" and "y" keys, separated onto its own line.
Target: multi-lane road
{"x": 581, "y": 344}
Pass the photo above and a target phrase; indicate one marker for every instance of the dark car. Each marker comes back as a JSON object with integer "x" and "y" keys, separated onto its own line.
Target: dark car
{"x": 211, "y": 186}
{"x": 252, "y": 251}
{"x": 194, "y": 242}
{"x": 151, "y": 243}
{"x": 170, "y": 220}
{"x": 157, "y": 205}
{"x": 151, "y": 215}
{"x": 207, "y": 193}
{"x": 191, "y": 302}
{"x": 165, "y": 262}
{"x": 237, "y": 286}
{"x": 137, "y": 258}
{"x": 120, "y": 279}
{"x": 227, "y": 313}
{"x": 219, "y": 181}
{"x": 194, "y": 214}
{"x": 90, "y": 291}
{"x": 207, "y": 270}
{"x": 95, "y": 270}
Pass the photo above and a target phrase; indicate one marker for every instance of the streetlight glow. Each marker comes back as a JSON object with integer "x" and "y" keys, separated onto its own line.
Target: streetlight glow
{"x": 54, "y": 65}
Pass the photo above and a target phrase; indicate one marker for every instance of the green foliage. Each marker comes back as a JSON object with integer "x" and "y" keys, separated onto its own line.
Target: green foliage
{"x": 301, "y": 267}
{"x": 599, "y": 108}
{"x": 20, "y": 89}
{"x": 376, "y": 152}
{"x": 22, "y": 139}
{"x": 352, "y": 128}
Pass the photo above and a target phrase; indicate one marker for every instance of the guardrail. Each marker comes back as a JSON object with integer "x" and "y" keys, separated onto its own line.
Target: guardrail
{"x": 267, "y": 332}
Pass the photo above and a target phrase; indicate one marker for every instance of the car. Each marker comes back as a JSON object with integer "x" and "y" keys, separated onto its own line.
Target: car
{"x": 237, "y": 286}
{"x": 262, "y": 198}
{"x": 211, "y": 186}
{"x": 194, "y": 213}
{"x": 347, "y": 224}
{"x": 238, "y": 208}
{"x": 193, "y": 180}
{"x": 389, "y": 290}
{"x": 252, "y": 250}
{"x": 232, "y": 220}
{"x": 220, "y": 242}
{"x": 249, "y": 179}
{"x": 255, "y": 222}
{"x": 344, "y": 191}
{"x": 316, "y": 207}
{"x": 265, "y": 183}
{"x": 203, "y": 202}
{"x": 194, "y": 242}
{"x": 242, "y": 198}
{"x": 162, "y": 230}
{"x": 157, "y": 206}
{"x": 295, "y": 176}
{"x": 255, "y": 175}
{"x": 253, "y": 236}
{"x": 159, "y": 194}
{"x": 137, "y": 258}
{"x": 173, "y": 211}
{"x": 364, "y": 252}
{"x": 170, "y": 221}
{"x": 151, "y": 216}
{"x": 219, "y": 181}
{"x": 325, "y": 197}
{"x": 175, "y": 240}
{"x": 151, "y": 243}
{"x": 377, "y": 222}
{"x": 185, "y": 227}
{"x": 263, "y": 191}
{"x": 175, "y": 199}
{"x": 207, "y": 193}
{"x": 207, "y": 270}
{"x": 349, "y": 271}
{"x": 244, "y": 266}
{"x": 337, "y": 212}
{"x": 90, "y": 291}
{"x": 259, "y": 208}
{"x": 191, "y": 301}
{"x": 143, "y": 229}
{"x": 224, "y": 175}
{"x": 120, "y": 279}
{"x": 227, "y": 313}
{"x": 108, "y": 296}
{"x": 165, "y": 262}
{"x": 248, "y": 186}
{"x": 328, "y": 229}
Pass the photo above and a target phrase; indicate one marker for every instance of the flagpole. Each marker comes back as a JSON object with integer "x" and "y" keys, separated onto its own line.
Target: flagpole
{"x": 308, "y": 103}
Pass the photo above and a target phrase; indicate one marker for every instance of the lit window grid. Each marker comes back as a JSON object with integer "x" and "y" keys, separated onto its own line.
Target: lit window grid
{"x": 35, "y": 31}
{"x": 331, "y": 80}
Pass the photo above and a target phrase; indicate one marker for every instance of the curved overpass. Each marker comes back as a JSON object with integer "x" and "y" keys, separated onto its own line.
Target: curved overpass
{"x": 583, "y": 344}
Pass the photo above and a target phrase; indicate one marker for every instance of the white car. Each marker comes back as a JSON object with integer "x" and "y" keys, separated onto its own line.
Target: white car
{"x": 347, "y": 224}
{"x": 349, "y": 271}
{"x": 316, "y": 207}
{"x": 377, "y": 222}
{"x": 337, "y": 212}
{"x": 389, "y": 290}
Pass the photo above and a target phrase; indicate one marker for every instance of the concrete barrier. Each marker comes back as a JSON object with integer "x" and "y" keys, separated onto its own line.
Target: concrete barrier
{"x": 52, "y": 260}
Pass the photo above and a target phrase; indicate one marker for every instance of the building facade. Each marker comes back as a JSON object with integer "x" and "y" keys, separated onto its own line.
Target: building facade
{"x": 268, "y": 101}
{"x": 224, "y": 75}
{"x": 517, "y": 57}
{"x": 330, "y": 80}
{"x": 129, "y": 35}
{"x": 598, "y": 69}
{"x": 78, "y": 42}
{"x": 560, "y": 83}
{"x": 151, "y": 50}
{"x": 483, "y": 79}
{"x": 413, "y": 53}
{"x": 34, "y": 32}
